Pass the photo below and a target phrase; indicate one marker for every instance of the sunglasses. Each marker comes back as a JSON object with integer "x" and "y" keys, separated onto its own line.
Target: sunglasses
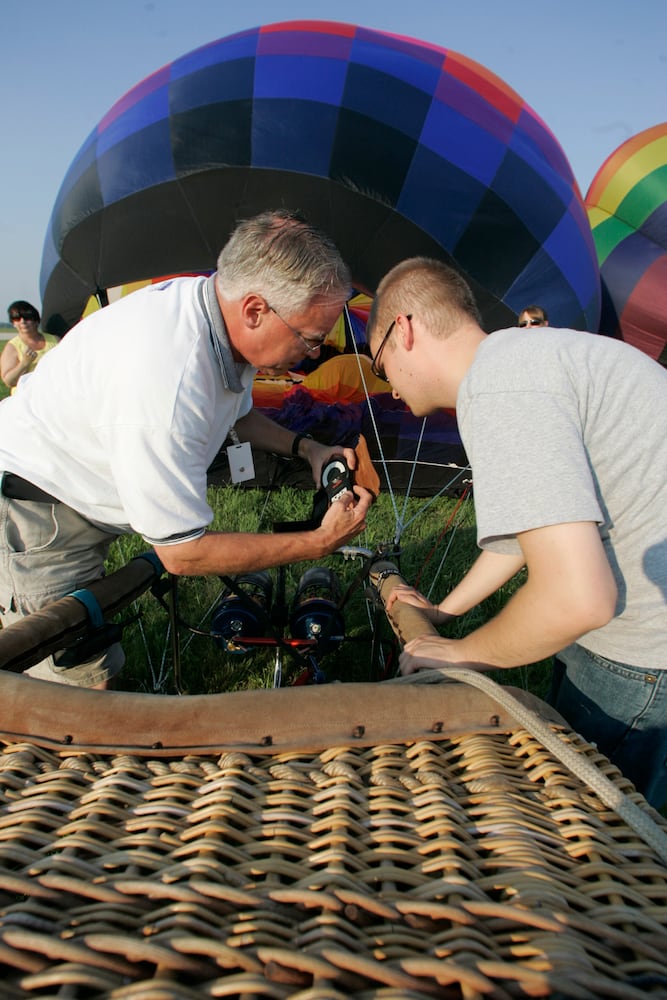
{"x": 375, "y": 361}
{"x": 531, "y": 322}
{"x": 14, "y": 317}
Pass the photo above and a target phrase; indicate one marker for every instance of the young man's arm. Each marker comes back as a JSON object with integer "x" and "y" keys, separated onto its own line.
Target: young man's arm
{"x": 489, "y": 572}
{"x": 570, "y": 590}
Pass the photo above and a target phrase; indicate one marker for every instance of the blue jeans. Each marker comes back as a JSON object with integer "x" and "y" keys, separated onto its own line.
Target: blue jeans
{"x": 620, "y": 708}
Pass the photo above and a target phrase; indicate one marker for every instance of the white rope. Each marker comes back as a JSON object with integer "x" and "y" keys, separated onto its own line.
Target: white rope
{"x": 569, "y": 756}
{"x": 401, "y": 524}
{"x": 376, "y": 431}
{"x": 452, "y": 534}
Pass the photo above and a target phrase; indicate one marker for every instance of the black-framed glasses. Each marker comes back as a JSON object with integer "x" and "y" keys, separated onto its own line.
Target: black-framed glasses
{"x": 375, "y": 362}
{"x": 23, "y": 314}
{"x": 310, "y": 345}
{"x": 531, "y": 322}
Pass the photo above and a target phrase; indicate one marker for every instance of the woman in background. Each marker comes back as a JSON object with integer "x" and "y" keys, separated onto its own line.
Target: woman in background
{"x": 533, "y": 316}
{"x": 23, "y": 352}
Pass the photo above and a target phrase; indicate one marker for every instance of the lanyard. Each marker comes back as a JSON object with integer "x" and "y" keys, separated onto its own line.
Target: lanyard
{"x": 216, "y": 330}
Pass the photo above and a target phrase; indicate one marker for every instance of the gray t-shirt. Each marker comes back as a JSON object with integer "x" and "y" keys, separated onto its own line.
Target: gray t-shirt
{"x": 563, "y": 426}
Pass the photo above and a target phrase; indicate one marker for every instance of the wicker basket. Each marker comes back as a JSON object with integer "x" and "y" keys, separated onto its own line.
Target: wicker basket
{"x": 473, "y": 865}
{"x": 371, "y": 841}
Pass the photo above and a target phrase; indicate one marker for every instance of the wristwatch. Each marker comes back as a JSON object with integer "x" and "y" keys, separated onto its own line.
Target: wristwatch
{"x": 298, "y": 438}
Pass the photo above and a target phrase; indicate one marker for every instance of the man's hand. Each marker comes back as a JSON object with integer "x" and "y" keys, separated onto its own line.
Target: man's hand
{"x": 427, "y": 652}
{"x": 569, "y": 590}
{"x": 318, "y": 455}
{"x": 410, "y": 595}
{"x": 345, "y": 518}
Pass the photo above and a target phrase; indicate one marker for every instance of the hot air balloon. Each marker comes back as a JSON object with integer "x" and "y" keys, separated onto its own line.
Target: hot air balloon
{"x": 393, "y": 146}
{"x": 627, "y": 207}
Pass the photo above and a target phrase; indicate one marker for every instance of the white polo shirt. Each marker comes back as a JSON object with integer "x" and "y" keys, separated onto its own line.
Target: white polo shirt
{"x": 122, "y": 420}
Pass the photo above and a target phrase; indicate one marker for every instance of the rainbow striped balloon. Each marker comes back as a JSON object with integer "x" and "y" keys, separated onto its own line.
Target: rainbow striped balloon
{"x": 627, "y": 209}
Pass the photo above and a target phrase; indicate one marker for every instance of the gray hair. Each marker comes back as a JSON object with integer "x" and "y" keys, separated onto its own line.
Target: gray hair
{"x": 280, "y": 256}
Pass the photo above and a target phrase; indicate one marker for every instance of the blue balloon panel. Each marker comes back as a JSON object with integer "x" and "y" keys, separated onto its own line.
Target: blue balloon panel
{"x": 393, "y": 146}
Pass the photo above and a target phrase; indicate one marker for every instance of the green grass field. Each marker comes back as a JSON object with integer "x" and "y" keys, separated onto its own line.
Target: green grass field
{"x": 431, "y": 558}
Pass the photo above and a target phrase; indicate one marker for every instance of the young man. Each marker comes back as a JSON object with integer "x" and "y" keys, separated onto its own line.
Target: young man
{"x": 566, "y": 433}
{"x": 114, "y": 432}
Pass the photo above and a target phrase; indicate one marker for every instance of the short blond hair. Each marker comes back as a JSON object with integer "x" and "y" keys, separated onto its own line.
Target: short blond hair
{"x": 429, "y": 287}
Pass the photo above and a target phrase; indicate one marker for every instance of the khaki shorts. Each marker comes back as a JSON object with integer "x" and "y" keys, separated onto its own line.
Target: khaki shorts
{"x": 46, "y": 552}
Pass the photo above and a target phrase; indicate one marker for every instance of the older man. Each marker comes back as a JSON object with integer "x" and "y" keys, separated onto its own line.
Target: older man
{"x": 115, "y": 430}
{"x": 567, "y": 437}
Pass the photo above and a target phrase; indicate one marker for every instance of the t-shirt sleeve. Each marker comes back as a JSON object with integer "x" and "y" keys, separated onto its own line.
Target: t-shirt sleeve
{"x": 530, "y": 466}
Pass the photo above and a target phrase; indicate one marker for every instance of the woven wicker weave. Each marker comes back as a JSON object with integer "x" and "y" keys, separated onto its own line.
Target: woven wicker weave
{"x": 390, "y": 841}
{"x": 469, "y": 867}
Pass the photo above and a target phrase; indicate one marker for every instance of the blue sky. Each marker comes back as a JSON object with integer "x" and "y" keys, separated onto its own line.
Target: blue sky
{"x": 594, "y": 70}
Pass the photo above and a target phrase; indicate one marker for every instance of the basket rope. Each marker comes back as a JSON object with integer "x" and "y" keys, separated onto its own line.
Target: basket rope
{"x": 609, "y": 793}
{"x": 409, "y": 621}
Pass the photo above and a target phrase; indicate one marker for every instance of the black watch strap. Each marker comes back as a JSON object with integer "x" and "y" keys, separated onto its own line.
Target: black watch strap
{"x": 298, "y": 438}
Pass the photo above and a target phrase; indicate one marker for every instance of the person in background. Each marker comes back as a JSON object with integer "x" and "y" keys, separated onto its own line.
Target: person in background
{"x": 23, "y": 352}
{"x": 533, "y": 316}
{"x": 115, "y": 431}
{"x": 567, "y": 440}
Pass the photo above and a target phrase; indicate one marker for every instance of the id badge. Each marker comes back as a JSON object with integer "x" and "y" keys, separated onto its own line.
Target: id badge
{"x": 241, "y": 465}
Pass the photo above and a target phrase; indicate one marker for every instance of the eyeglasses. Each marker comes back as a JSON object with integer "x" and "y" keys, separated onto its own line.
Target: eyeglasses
{"x": 375, "y": 362}
{"x": 531, "y": 322}
{"x": 15, "y": 317}
{"x": 310, "y": 345}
